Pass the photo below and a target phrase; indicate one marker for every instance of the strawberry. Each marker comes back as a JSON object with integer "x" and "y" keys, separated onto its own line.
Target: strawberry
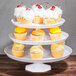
{"x": 19, "y": 6}
{"x": 39, "y": 6}
{"x": 52, "y": 8}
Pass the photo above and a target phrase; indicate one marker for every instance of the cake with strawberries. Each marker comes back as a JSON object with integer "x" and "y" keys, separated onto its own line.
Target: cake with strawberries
{"x": 39, "y": 13}
{"x": 24, "y": 15}
{"x": 53, "y": 15}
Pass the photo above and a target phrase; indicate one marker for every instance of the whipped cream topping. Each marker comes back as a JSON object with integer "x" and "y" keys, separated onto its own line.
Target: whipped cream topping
{"x": 27, "y": 14}
{"x": 51, "y": 14}
{"x": 18, "y": 10}
{"x": 38, "y": 10}
{"x": 58, "y": 10}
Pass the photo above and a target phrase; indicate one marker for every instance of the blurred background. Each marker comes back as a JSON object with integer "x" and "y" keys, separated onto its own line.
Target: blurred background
{"x": 7, "y": 10}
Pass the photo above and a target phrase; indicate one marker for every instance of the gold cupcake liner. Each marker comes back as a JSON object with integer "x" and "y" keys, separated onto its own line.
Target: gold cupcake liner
{"x": 57, "y": 50}
{"x": 50, "y": 21}
{"x": 18, "y": 53}
{"x": 20, "y": 36}
{"x": 24, "y": 21}
{"x": 55, "y": 37}
{"x": 38, "y": 20}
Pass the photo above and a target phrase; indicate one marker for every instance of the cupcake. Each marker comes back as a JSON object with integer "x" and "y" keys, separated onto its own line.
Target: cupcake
{"x": 23, "y": 15}
{"x": 36, "y": 52}
{"x": 57, "y": 49}
{"x": 51, "y": 16}
{"x": 27, "y": 16}
{"x": 59, "y": 12}
{"x": 38, "y": 35}
{"x": 55, "y": 33}
{"x": 39, "y": 13}
{"x": 17, "y": 12}
{"x": 20, "y": 33}
{"x": 18, "y": 49}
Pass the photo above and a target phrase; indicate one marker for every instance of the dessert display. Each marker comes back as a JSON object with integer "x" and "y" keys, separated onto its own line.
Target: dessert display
{"x": 55, "y": 33}
{"x": 57, "y": 49}
{"x": 39, "y": 13}
{"x": 18, "y": 49}
{"x": 38, "y": 18}
{"x": 36, "y": 52}
{"x": 38, "y": 35}
{"x": 20, "y": 33}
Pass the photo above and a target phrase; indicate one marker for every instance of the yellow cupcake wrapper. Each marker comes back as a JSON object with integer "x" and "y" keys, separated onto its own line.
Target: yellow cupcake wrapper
{"x": 20, "y": 34}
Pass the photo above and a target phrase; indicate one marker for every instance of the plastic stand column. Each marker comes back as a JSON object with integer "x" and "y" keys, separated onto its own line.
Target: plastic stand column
{"x": 38, "y": 67}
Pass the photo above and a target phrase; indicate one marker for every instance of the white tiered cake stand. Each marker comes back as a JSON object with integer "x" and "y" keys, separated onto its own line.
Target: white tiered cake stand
{"x": 38, "y": 65}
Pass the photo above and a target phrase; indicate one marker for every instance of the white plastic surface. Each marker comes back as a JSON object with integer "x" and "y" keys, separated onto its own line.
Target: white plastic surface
{"x": 38, "y": 67}
{"x": 38, "y": 25}
{"x": 46, "y": 55}
{"x": 46, "y": 41}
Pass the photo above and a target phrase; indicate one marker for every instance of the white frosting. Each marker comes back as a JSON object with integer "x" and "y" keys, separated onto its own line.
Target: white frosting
{"x": 58, "y": 10}
{"x": 27, "y": 14}
{"x": 18, "y": 10}
{"x": 50, "y": 14}
{"x": 37, "y": 11}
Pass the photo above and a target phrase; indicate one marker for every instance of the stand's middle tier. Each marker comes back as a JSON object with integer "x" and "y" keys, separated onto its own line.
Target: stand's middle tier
{"x": 46, "y": 41}
{"x": 33, "y": 25}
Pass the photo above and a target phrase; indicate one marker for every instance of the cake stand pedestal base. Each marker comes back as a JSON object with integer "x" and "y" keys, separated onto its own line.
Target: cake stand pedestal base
{"x": 38, "y": 67}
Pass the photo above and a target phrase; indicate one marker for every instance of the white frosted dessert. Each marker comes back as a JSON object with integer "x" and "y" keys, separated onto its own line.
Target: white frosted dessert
{"x": 59, "y": 12}
{"x": 38, "y": 10}
{"x": 39, "y": 13}
{"x": 17, "y": 12}
{"x": 51, "y": 16}
{"x": 27, "y": 14}
{"x": 23, "y": 15}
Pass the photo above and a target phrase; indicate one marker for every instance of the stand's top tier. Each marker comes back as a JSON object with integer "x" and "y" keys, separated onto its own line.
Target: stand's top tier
{"x": 37, "y": 16}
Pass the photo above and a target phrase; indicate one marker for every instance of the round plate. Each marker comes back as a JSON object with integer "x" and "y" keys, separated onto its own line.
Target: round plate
{"x": 46, "y": 41}
{"x": 46, "y": 55}
{"x": 38, "y": 25}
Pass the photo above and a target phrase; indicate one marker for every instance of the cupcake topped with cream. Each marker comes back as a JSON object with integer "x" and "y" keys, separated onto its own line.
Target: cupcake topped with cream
{"x": 38, "y": 10}
{"x": 27, "y": 14}
{"x": 51, "y": 13}
{"x": 18, "y": 10}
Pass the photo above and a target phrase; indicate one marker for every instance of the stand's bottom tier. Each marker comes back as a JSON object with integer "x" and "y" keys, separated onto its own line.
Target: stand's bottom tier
{"x": 46, "y": 55}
